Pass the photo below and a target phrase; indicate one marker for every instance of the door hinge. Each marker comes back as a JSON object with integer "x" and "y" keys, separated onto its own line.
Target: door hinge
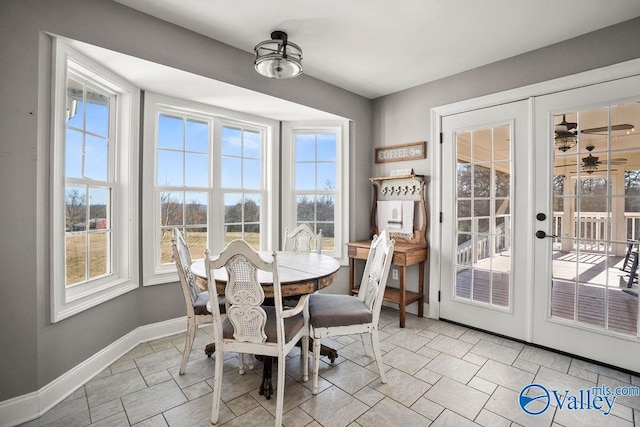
{"x": 438, "y": 296}
{"x": 441, "y": 217}
{"x": 441, "y": 137}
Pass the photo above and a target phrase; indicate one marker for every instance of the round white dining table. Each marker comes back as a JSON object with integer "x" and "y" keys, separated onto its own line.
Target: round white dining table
{"x": 300, "y": 273}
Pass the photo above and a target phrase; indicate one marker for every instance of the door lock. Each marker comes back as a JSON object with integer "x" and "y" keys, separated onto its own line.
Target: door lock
{"x": 541, "y": 235}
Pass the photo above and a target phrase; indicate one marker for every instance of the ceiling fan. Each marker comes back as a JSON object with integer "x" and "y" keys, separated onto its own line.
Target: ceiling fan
{"x": 591, "y": 163}
{"x": 571, "y": 128}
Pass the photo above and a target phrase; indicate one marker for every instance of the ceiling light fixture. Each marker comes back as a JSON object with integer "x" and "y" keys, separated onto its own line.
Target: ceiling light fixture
{"x": 565, "y": 142}
{"x": 590, "y": 168}
{"x": 278, "y": 58}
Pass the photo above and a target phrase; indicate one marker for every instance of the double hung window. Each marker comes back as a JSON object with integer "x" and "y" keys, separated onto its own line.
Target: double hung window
{"x": 314, "y": 190}
{"x": 93, "y": 185}
{"x": 204, "y": 174}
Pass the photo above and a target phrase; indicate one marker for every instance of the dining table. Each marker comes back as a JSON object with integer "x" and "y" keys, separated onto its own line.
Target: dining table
{"x": 300, "y": 273}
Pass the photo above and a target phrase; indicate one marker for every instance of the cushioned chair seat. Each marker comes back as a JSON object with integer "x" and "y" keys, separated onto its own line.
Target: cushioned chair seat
{"x": 200, "y": 306}
{"x": 327, "y": 311}
{"x": 291, "y": 326}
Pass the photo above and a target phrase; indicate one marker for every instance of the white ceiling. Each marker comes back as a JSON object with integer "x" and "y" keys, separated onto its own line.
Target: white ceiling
{"x": 180, "y": 84}
{"x": 377, "y": 47}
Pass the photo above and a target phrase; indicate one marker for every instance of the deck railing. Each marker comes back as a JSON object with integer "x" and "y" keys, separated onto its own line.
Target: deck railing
{"x": 591, "y": 231}
{"x": 593, "y": 225}
{"x": 466, "y": 254}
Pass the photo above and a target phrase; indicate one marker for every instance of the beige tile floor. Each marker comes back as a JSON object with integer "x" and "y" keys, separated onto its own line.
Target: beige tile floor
{"x": 438, "y": 374}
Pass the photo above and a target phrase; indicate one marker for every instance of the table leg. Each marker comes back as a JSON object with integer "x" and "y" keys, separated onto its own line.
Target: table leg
{"x": 210, "y": 349}
{"x": 421, "y": 289}
{"x": 352, "y": 275}
{"x": 266, "y": 388}
{"x": 403, "y": 274}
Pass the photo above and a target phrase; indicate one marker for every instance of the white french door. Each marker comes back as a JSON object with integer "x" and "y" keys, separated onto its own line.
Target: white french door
{"x": 587, "y": 197}
{"x": 540, "y": 225}
{"x": 486, "y": 200}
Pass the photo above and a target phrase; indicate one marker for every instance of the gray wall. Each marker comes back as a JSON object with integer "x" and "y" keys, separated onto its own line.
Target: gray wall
{"x": 405, "y": 116}
{"x": 33, "y": 352}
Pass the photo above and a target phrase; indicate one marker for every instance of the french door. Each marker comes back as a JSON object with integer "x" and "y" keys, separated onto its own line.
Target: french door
{"x": 486, "y": 249}
{"x": 541, "y": 220}
{"x": 587, "y": 202}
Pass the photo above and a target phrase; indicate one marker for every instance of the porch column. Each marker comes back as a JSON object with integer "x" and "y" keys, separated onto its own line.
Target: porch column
{"x": 568, "y": 220}
{"x": 618, "y": 221}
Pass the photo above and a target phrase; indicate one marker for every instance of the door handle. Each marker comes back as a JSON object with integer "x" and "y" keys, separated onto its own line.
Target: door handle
{"x": 541, "y": 235}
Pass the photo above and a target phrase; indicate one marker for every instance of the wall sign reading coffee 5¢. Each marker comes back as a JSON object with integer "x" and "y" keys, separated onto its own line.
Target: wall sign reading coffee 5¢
{"x": 398, "y": 153}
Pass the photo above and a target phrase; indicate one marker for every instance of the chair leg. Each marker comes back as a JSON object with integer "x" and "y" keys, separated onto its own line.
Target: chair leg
{"x": 633, "y": 271}
{"x": 188, "y": 344}
{"x": 280, "y": 392}
{"x": 367, "y": 346}
{"x": 250, "y": 361}
{"x": 626, "y": 257}
{"x": 316, "y": 364}
{"x": 241, "y": 363}
{"x": 215, "y": 405}
{"x": 305, "y": 358}
{"x": 375, "y": 342}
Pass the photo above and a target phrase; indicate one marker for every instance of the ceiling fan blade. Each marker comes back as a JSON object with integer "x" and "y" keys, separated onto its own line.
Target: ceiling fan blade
{"x": 594, "y": 173}
{"x": 567, "y": 165}
{"x": 601, "y": 129}
{"x": 618, "y": 161}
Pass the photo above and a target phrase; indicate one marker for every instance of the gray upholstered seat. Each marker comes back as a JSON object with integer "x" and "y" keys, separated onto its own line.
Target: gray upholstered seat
{"x": 326, "y": 311}
{"x": 200, "y": 306}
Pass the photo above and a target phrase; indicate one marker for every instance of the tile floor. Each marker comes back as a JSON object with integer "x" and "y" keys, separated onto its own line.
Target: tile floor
{"x": 438, "y": 374}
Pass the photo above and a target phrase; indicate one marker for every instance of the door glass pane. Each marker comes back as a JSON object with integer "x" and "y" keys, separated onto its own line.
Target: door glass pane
{"x": 483, "y": 199}
{"x": 596, "y": 204}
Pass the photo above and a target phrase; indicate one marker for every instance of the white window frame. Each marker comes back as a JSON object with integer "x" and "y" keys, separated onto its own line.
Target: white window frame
{"x": 155, "y": 273}
{"x": 123, "y": 167}
{"x": 341, "y": 226}
{"x": 264, "y": 219}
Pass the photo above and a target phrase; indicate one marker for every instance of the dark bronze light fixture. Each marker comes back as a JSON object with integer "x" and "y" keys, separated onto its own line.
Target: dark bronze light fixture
{"x": 565, "y": 135}
{"x": 278, "y": 58}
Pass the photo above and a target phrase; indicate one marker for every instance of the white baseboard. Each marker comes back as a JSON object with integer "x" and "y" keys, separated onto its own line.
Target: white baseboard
{"x": 29, "y": 406}
{"x": 412, "y": 308}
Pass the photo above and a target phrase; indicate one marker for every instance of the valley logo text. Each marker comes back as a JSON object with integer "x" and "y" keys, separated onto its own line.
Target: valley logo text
{"x": 535, "y": 399}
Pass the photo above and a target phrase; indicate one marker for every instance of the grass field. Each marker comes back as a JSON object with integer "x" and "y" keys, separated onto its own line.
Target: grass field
{"x": 197, "y": 242}
{"x": 76, "y": 251}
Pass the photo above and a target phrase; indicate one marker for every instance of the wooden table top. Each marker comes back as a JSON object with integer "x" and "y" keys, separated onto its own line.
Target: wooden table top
{"x": 300, "y": 273}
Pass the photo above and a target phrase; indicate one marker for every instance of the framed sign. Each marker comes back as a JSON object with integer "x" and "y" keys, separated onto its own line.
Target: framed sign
{"x": 398, "y": 153}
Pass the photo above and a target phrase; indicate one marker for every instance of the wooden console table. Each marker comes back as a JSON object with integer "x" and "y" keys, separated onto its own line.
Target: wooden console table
{"x": 404, "y": 254}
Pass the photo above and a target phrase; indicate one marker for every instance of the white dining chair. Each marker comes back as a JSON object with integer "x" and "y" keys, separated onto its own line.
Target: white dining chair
{"x": 302, "y": 239}
{"x": 338, "y": 315}
{"x": 196, "y": 301}
{"x": 250, "y": 327}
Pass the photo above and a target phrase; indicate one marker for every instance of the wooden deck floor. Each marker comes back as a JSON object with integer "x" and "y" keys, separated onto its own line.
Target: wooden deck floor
{"x": 603, "y": 299}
